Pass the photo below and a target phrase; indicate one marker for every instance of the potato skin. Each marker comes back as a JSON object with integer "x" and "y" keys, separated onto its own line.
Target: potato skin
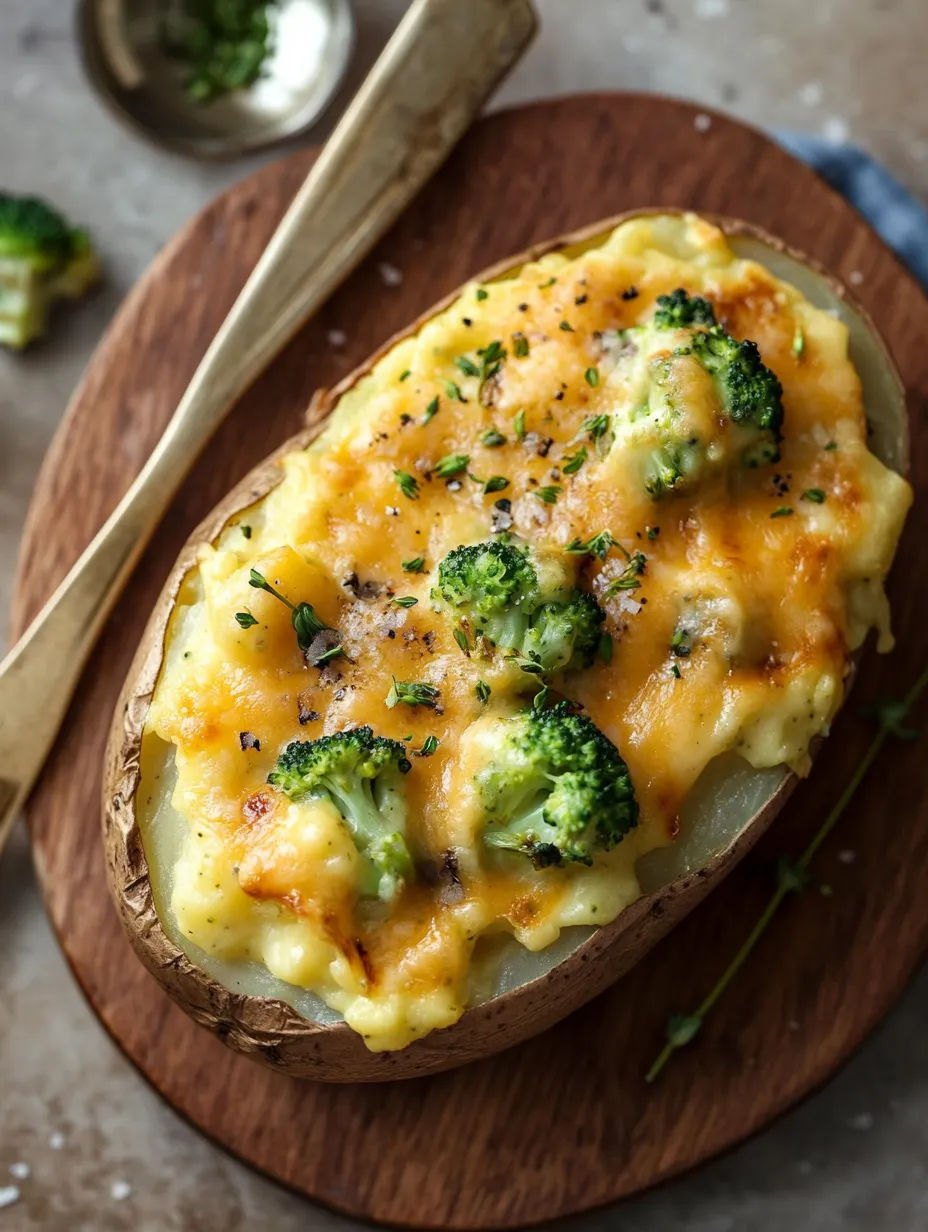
{"x": 269, "y": 1030}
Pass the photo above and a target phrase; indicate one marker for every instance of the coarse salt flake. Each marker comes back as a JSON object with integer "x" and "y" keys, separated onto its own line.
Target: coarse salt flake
{"x": 389, "y": 274}
{"x": 120, "y": 1190}
{"x": 337, "y": 337}
{"x": 702, "y": 123}
{"x": 8, "y": 1195}
{"x": 20, "y": 1171}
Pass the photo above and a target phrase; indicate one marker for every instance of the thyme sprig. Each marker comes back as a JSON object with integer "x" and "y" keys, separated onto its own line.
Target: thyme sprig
{"x": 793, "y": 875}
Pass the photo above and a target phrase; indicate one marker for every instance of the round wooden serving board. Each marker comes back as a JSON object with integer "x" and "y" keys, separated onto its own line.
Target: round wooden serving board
{"x": 565, "y": 1122}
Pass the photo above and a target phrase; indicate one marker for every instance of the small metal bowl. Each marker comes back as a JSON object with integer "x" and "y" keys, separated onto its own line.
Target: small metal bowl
{"x": 122, "y": 54}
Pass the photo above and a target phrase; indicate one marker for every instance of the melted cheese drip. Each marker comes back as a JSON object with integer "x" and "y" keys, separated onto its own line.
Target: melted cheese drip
{"x": 771, "y": 606}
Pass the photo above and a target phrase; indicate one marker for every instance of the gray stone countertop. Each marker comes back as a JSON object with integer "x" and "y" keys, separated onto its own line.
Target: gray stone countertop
{"x": 84, "y": 1143}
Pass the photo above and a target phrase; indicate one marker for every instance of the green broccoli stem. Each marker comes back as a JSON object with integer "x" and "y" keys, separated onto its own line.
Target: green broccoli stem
{"x": 357, "y": 805}
{"x": 689, "y": 1025}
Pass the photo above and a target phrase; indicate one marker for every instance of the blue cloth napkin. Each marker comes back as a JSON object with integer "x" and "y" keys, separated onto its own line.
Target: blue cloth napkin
{"x": 891, "y": 210}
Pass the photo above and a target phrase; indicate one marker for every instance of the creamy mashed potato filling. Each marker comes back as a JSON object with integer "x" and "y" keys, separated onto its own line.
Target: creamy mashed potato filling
{"x": 731, "y": 637}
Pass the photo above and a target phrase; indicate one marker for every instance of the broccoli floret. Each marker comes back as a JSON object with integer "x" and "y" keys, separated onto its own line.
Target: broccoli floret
{"x": 361, "y": 774}
{"x": 42, "y": 260}
{"x": 699, "y": 397}
{"x": 522, "y": 600}
{"x": 751, "y": 394}
{"x": 557, "y": 790}
{"x": 680, "y": 310}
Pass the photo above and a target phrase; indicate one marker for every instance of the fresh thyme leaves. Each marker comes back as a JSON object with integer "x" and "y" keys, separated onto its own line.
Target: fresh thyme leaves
{"x": 598, "y": 546}
{"x": 465, "y": 365}
{"x": 405, "y": 601}
{"x": 411, "y": 693}
{"x": 832, "y": 445}
{"x": 675, "y": 671}
{"x": 482, "y": 689}
{"x": 889, "y": 717}
{"x": 245, "y": 620}
{"x": 566, "y": 327}
{"x": 492, "y": 439}
{"x": 406, "y": 374}
{"x": 482, "y": 294}
{"x": 548, "y": 495}
{"x": 573, "y": 462}
{"x": 452, "y": 465}
{"x": 246, "y": 531}
{"x": 605, "y": 648}
{"x": 815, "y": 495}
{"x": 518, "y": 426}
{"x": 783, "y": 512}
{"x": 409, "y": 485}
{"x": 453, "y": 390}
{"x": 599, "y": 429}
{"x": 799, "y": 342}
{"x": 431, "y": 410}
{"x": 306, "y": 623}
{"x": 429, "y": 745}
{"x": 496, "y": 483}
{"x": 491, "y": 359}
{"x": 519, "y": 346}
{"x": 540, "y": 700}
{"x": 591, "y": 376}
{"x": 415, "y": 565}
{"x": 461, "y": 638}
{"x": 543, "y": 286}
{"x": 630, "y": 577}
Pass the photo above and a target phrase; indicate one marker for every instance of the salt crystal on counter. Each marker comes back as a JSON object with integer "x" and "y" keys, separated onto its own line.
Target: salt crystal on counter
{"x": 120, "y": 1190}
{"x": 337, "y": 337}
{"x": 702, "y": 123}
{"x": 390, "y": 275}
{"x": 8, "y": 1195}
{"x": 56, "y": 1141}
{"x": 20, "y": 1171}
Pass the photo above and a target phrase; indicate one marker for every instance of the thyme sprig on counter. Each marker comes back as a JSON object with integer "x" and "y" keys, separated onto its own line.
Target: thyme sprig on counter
{"x": 792, "y": 876}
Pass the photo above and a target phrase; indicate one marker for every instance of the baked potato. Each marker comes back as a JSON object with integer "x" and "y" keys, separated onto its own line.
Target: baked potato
{"x": 471, "y": 692}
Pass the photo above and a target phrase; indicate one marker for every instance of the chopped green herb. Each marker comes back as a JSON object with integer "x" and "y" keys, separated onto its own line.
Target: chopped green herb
{"x": 566, "y": 327}
{"x": 652, "y": 532}
{"x": 596, "y": 425}
{"x": 482, "y": 294}
{"x": 598, "y": 546}
{"x": 246, "y": 531}
{"x": 406, "y": 374}
{"x": 799, "y": 342}
{"x": 327, "y": 656}
{"x": 548, "y": 495}
{"x": 680, "y": 644}
{"x": 465, "y": 365}
{"x": 429, "y": 745}
{"x": 496, "y": 484}
{"x": 518, "y": 426}
{"x": 492, "y": 439}
{"x": 816, "y": 495}
{"x": 591, "y": 376}
{"x": 411, "y": 693}
{"x": 306, "y": 624}
{"x": 245, "y": 620}
{"x": 431, "y": 410}
{"x": 573, "y": 462}
{"x": 628, "y": 579}
{"x": 832, "y": 445}
{"x": 605, "y": 648}
{"x": 405, "y": 601}
{"x": 519, "y": 346}
{"x": 453, "y": 390}
{"x": 409, "y": 485}
{"x": 491, "y": 358}
{"x": 783, "y": 512}
{"x": 415, "y": 565}
{"x": 540, "y": 700}
{"x": 461, "y": 638}
{"x": 452, "y": 465}
{"x": 543, "y": 286}
{"x": 675, "y": 671}
{"x": 482, "y": 689}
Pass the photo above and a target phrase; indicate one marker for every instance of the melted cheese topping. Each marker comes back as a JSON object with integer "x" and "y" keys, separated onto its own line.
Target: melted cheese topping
{"x": 771, "y": 604}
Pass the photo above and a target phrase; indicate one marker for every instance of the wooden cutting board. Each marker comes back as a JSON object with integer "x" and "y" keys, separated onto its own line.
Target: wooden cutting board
{"x": 565, "y": 1122}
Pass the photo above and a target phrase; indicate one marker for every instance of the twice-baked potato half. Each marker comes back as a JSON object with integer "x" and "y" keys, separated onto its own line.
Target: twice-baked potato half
{"x": 462, "y": 700}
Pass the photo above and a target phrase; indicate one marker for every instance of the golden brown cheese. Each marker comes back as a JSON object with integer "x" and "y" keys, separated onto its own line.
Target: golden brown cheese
{"x": 773, "y": 586}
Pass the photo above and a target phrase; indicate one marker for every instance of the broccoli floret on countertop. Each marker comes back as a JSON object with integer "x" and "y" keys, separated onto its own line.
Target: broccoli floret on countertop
{"x": 522, "y": 600}
{"x": 360, "y": 773}
{"x": 556, "y": 790}
{"x": 42, "y": 259}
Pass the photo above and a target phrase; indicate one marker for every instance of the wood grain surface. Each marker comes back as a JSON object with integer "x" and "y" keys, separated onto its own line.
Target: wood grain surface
{"x": 564, "y": 1122}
